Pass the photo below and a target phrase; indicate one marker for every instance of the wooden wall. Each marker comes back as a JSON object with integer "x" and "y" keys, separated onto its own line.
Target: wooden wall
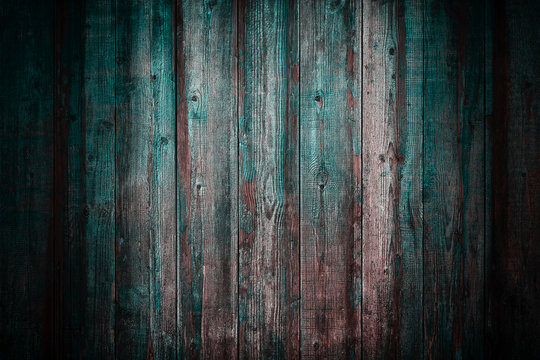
{"x": 269, "y": 179}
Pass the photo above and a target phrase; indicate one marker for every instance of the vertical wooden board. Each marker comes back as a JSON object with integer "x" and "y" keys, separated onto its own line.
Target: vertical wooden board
{"x": 207, "y": 179}
{"x": 69, "y": 191}
{"x": 268, "y": 218}
{"x": 410, "y": 119}
{"x": 98, "y": 142}
{"x": 27, "y": 324}
{"x": 163, "y": 186}
{"x": 392, "y": 173}
{"x": 453, "y": 179}
{"x": 514, "y": 287}
{"x": 330, "y": 160}
{"x": 469, "y": 18}
{"x": 134, "y": 170}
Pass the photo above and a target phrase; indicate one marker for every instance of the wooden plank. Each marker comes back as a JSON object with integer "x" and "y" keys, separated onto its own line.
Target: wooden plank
{"x": 163, "y": 262}
{"x": 27, "y": 245}
{"x": 514, "y": 287}
{"x": 330, "y": 183}
{"x": 69, "y": 190}
{"x": 97, "y": 255}
{"x": 207, "y": 179}
{"x": 269, "y": 228}
{"x": 146, "y": 182}
{"x": 134, "y": 170}
{"x": 391, "y": 173}
{"x": 454, "y": 180}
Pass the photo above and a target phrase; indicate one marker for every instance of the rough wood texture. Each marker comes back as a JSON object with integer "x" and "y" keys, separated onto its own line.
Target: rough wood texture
{"x": 133, "y": 159}
{"x": 163, "y": 262}
{"x": 99, "y": 173}
{"x": 269, "y": 179}
{"x": 330, "y": 179}
{"x": 207, "y": 179}
{"x": 391, "y": 174}
{"x": 453, "y": 179}
{"x": 268, "y": 212}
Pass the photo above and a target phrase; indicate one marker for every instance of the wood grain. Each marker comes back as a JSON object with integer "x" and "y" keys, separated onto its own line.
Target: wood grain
{"x": 391, "y": 174}
{"x": 453, "y": 180}
{"x": 163, "y": 262}
{"x": 269, "y": 179}
{"x": 330, "y": 179}
{"x": 207, "y": 179}
{"x": 268, "y": 218}
{"x": 99, "y": 180}
{"x": 133, "y": 159}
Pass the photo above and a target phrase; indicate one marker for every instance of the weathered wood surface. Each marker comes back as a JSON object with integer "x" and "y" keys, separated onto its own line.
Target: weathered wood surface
{"x": 206, "y": 125}
{"x": 391, "y": 174}
{"x": 98, "y": 139}
{"x": 269, "y": 179}
{"x": 330, "y": 180}
{"x": 453, "y": 179}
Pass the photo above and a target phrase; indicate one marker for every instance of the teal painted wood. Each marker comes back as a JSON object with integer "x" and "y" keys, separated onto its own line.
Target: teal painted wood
{"x": 134, "y": 170}
{"x": 330, "y": 182}
{"x": 513, "y": 293}
{"x": 69, "y": 199}
{"x": 410, "y": 120}
{"x": 469, "y": 18}
{"x": 163, "y": 262}
{"x": 268, "y": 218}
{"x": 392, "y": 179}
{"x": 99, "y": 173}
{"x": 207, "y": 179}
{"x": 453, "y": 180}
{"x": 27, "y": 323}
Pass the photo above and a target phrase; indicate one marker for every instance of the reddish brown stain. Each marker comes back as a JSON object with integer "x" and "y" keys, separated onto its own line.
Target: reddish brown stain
{"x": 296, "y": 73}
{"x": 248, "y": 195}
{"x": 351, "y": 101}
{"x": 351, "y": 60}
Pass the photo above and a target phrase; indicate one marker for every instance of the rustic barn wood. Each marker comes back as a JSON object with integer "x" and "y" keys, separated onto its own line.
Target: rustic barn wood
{"x": 275, "y": 179}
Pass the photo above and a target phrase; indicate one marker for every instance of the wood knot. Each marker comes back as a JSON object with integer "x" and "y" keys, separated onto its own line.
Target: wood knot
{"x": 322, "y": 179}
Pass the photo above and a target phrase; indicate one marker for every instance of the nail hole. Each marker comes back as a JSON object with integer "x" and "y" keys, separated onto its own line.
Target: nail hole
{"x": 193, "y": 98}
{"x": 392, "y": 51}
{"x": 317, "y": 98}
